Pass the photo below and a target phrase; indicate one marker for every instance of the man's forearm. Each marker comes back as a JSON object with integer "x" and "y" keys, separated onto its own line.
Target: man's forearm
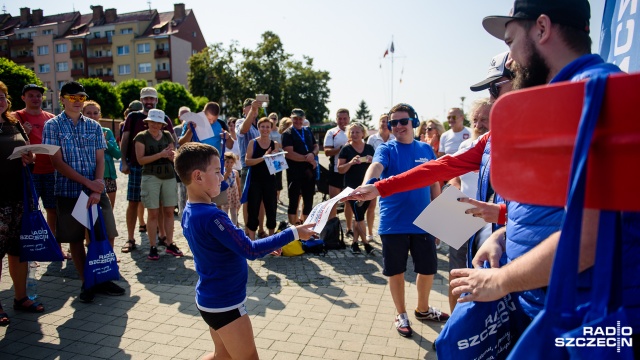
{"x": 99, "y": 173}
{"x": 374, "y": 171}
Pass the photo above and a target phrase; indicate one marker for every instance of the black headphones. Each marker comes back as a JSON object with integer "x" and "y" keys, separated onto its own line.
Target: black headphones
{"x": 415, "y": 120}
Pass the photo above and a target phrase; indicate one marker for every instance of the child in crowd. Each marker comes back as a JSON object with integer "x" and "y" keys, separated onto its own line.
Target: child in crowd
{"x": 230, "y": 177}
{"x": 220, "y": 250}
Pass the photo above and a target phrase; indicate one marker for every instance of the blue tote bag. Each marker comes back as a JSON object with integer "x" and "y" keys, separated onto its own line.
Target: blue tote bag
{"x": 482, "y": 330}
{"x": 36, "y": 239}
{"x": 101, "y": 264}
{"x": 545, "y": 337}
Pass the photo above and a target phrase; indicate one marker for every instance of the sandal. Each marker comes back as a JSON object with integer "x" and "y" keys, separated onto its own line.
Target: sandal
{"x": 34, "y": 307}
{"x": 129, "y": 246}
{"x": 142, "y": 228}
{"x": 4, "y": 318}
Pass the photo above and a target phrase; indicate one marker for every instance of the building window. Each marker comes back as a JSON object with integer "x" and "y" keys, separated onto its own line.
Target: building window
{"x": 150, "y": 83}
{"x": 43, "y": 50}
{"x": 60, "y": 83}
{"x": 96, "y": 34}
{"x": 126, "y": 31}
{"x": 144, "y": 68}
{"x": 62, "y": 66}
{"x": 98, "y": 53}
{"x": 194, "y": 34}
{"x": 32, "y": 34}
{"x": 144, "y": 48}
{"x": 123, "y": 50}
{"x": 124, "y": 69}
{"x": 47, "y": 32}
{"x": 44, "y": 68}
{"x": 61, "y": 48}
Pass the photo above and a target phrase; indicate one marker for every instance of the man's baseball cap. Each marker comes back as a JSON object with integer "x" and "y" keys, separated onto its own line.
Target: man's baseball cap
{"x": 575, "y": 13}
{"x": 297, "y": 113}
{"x": 247, "y": 102}
{"x": 148, "y": 92}
{"x": 497, "y": 69}
{"x": 32, "y": 87}
{"x": 156, "y": 115}
{"x": 72, "y": 88}
{"x": 136, "y": 105}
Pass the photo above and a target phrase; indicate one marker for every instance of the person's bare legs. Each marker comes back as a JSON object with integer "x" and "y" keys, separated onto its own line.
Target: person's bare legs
{"x": 237, "y": 339}
{"x": 79, "y": 256}
{"x": 396, "y": 286}
{"x": 423, "y": 283}
{"x": 112, "y": 199}
{"x": 162, "y": 234}
{"x": 220, "y": 352}
{"x": 333, "y": 192}
{"x": 371, "y": 215}
{"x": 132, "y": 215}
{"x": 140, "y": 214}
{"x": 168, "y": 225}
{"x": 18, "y": 272}
{"x": 348, "y": 216}
{"x": 261, "y": 218}
{"x": 152, "y": 225}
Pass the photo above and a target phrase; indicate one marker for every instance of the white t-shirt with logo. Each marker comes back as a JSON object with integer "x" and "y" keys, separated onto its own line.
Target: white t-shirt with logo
{"x": 335, "y": 138}
{"x": 450, "y": 141}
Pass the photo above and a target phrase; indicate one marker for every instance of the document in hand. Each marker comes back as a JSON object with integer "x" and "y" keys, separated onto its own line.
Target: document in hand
{"x": 203, "y": 128}
{"x": 445, "y": 219}
{"x": 81, "y": 213}
{"x": 320, "y": 213}
{"x": 276, "y": 162}
{"x": 36, "y": 149}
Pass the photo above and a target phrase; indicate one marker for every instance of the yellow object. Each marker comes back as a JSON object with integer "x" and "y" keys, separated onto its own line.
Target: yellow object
{"x": 293, "y": 248}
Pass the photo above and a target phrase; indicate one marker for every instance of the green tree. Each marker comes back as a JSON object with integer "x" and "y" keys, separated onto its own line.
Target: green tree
{"x": 129, "y": 90}
{"x": 363, "y": 114}
{"x": 105, "y": 95}
{"x": 16, "y": 77}
{"x": 178, "y": 95}
{"x": 307, "y": 89}
{"x": 201, "y": 101}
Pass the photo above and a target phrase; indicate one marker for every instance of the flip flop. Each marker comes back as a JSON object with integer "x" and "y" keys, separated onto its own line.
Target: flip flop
{"x": 129, "y": 246}
{"x": 34, "y": 307}
{"x": 142, "y": 228}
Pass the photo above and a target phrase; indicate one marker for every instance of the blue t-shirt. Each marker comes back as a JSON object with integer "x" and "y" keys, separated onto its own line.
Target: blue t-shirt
{"x": 398, "y": 211}
{"x": 216, "y": 140}
{"x": 220, "y": 252}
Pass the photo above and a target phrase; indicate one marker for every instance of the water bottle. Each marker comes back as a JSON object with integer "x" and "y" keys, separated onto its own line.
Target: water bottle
{"x": 32, "y": 282}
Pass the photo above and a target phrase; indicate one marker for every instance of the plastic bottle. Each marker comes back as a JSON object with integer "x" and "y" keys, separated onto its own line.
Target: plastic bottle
{"x": 32, "y": 282}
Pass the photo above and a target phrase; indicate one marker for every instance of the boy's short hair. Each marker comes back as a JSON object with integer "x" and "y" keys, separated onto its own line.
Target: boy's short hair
{"x": 212, "y": 108}
{"x": 230, "y": 156}
{"x": 193, "y": 156}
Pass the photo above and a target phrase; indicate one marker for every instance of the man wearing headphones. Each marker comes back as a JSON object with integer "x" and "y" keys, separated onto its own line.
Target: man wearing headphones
{"x": 398, "y": 233}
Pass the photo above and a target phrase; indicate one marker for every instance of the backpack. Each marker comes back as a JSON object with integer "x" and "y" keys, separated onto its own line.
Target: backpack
{"x": 333, "y": 235}
{"x": 314, "y": 246}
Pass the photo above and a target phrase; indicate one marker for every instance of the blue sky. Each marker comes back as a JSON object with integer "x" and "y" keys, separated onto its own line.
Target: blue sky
{"x": 440, "y": 46}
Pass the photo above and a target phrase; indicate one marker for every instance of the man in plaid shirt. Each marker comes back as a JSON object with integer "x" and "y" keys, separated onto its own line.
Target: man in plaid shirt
{"x": 79, "y": 167}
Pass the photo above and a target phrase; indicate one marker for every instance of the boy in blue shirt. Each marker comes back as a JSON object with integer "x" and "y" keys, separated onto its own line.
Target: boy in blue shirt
{"x": 220, "y": 250}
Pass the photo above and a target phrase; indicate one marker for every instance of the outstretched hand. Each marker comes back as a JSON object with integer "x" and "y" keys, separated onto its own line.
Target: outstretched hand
{"x": 363, "y": 193}
{"x": 487, "y": 211}
{"x": 305, "y": 231}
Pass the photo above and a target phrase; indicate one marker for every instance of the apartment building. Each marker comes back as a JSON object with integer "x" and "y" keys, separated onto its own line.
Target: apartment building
{"x": 150, "y": 45}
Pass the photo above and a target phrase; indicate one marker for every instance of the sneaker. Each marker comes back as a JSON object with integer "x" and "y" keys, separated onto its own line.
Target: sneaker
{"x": 368, "y": 249}
{"x": 402, "y": 325}
{"x": 173, "y": 250}
{"x": 162, "y": 241}
{"x": 433, "y": 314}
{"x": 355, "y": 248}
{"x": 153, "y": 253}
{"x": 369, "y": 238}
{"x": 86, "y": 295}
{"x": 350, "y": 233}
{"x": 109, "y": 288}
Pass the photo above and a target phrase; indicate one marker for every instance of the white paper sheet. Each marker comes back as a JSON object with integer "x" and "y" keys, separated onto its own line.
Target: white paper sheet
{"x": 445, "y": 219}
{"x": 203, "y": 128}
{"x": 36, "y": 149}
{"x": 276, "y": 162}
{"x": 320, "y": 213}
{"x": 81, "y": 213}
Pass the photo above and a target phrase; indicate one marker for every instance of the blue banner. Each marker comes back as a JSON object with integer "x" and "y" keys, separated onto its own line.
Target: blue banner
{"x": 620, "y": 39}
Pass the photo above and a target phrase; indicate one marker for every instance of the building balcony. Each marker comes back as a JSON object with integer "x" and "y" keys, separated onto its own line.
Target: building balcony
{"x": 4, "y": 53}
{"x": 21, "y": 42}
{"x": 163, "y": 74}
{"x": 22, "y": 59}
{"x": 100, "y": 41}
{"x": 104, "y": 77}
{"x": 100, "y": 60}
{"x": 77, "y": 72}
{"x": 161, "y": 53}
{"x": 76, "y": 53}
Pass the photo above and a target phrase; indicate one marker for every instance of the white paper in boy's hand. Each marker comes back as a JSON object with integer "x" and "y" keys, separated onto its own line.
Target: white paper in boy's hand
{"x": 445, "y": 219}
{"x": 320, "y": 213}
{"x": 36, "y": 149}
{"x": 81, "y": 213}
{"x": 203, "y": 128}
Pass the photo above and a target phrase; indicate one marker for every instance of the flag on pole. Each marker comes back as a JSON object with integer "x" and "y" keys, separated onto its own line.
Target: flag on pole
{"x": 392, "y": 49}
{"x": 386, "y": 52}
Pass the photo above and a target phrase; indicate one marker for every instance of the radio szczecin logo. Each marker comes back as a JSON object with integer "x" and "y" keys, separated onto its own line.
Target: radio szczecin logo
{"x": 610, "y": 336}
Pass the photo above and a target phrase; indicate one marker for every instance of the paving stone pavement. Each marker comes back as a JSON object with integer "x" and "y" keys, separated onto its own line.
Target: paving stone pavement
{"x": 306, "y": 307}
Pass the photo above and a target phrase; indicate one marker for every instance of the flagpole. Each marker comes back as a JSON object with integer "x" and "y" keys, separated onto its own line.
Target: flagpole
{"x": 392, "y": 51}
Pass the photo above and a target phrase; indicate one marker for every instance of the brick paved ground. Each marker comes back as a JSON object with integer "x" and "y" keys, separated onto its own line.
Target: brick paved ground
{"x": 333, "y": 307}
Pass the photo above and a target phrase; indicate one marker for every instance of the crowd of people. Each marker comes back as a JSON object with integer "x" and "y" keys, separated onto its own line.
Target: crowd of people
{"x": 407, "y": 163}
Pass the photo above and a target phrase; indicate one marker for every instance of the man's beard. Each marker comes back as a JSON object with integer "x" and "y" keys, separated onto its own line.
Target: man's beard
{"x": 536, "y": 73}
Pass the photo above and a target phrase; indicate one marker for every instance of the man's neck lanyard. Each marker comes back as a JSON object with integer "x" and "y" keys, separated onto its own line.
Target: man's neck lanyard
{"x": 304, "y": 142}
